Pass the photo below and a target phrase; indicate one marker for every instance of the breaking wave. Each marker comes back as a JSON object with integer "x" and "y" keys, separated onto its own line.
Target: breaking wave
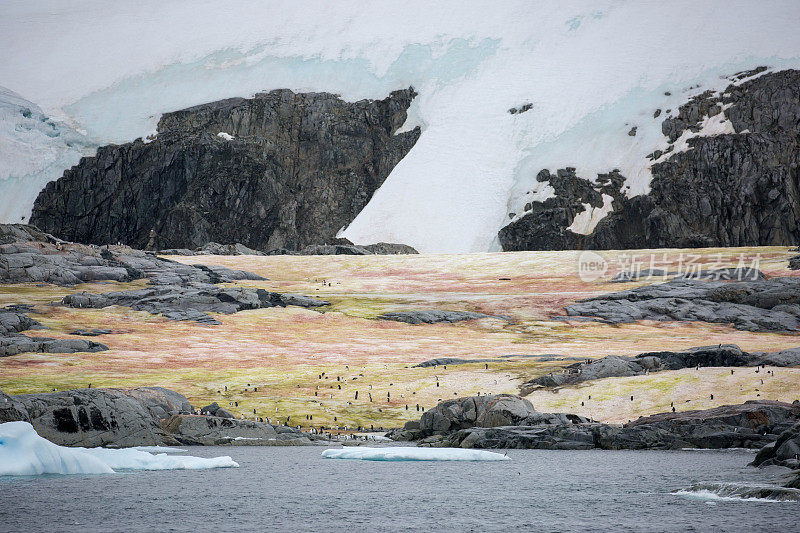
{"x": 740, "y": 492}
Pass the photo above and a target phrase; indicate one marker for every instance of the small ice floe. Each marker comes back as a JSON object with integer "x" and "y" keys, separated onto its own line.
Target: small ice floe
{"x": 24, "y": 453}
{"x": 740, "y": 492}
{"x": 225, "y": 136}
{"x": 402, "y": 453}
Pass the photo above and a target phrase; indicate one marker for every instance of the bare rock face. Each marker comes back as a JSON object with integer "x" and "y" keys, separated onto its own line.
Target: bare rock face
{"x": 279, "y": 170}
{"x": 721, "y": 355}
{"x": 785, "y": 451}
{"x": 99, "y": 417}
{"x": 740, "y": 189}
{"x": 481, "y": 411}
{"x": 144, "y": 416}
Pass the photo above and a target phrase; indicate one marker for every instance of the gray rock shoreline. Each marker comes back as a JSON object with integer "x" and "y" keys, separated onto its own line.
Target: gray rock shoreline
{"x": 144, "y": 416}
{"x": 507, "y": 421}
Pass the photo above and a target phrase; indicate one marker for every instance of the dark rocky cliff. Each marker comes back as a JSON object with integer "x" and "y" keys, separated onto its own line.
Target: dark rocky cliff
{"x": 740, "y": 189}
{"x": 280, "y": 170}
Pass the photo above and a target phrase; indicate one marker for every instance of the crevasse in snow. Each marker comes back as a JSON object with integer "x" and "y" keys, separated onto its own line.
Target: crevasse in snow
{"x": 24, "y": 453}
{"x": 591, "y": 71}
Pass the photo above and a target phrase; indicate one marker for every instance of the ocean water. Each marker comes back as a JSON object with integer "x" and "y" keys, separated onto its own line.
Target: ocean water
{"x": 279, "y": 489}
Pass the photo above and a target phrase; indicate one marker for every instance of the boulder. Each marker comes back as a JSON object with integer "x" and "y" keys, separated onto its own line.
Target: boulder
{"x": 215, "y": 410}
{"x": 785, "y": 451}
{"x": 481, "y": 411}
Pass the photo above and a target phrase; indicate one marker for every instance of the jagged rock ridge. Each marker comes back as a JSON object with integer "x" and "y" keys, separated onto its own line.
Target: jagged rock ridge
{"x": 736, "y": 189}
{"x": 279, "y": 170}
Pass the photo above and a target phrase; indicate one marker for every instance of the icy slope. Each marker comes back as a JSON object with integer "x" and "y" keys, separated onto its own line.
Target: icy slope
{"x": 591, "y": 70}
{"x": 24, "y": 453}
{"x": 34, "y": 149}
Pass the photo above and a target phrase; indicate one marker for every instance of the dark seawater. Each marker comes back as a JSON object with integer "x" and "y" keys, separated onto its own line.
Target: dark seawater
{"x": 278, "y": 489}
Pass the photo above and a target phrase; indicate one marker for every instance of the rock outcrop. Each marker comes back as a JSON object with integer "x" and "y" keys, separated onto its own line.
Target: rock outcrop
{"x": 487, "y": 411}
{"x": 431, "y": 317}
{"x": 279, "y": 170}
{"x": 63, "y": 263}
{"x": 462, "y": 423}
{"x": 145, "y": 416}
{"x": 444, "y": 361}
{"x": 177, "y": 291}
{"x": 785, "y": 451}
{"x": 192, "y": 301}
{"x": 101, "y": 417}
{"x": 612, "y": 366}
{"x": 14, "y": 320}
{"x": 762, "y": 305}
{"x": 338, "y": 247}
{"x": 735, "y": 189}
{"x": 194, "y": 430}
{"x": 348, "y": 248}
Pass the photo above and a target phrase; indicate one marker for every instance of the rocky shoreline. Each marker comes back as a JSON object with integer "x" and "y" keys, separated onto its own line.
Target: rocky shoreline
{"x": 144, "y": 416}
{"x": 507, "y": 421}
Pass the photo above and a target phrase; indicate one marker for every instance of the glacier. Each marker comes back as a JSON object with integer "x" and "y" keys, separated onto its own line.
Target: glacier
{"x": 34, "y": 149}
{"x": 588, "y": 70}
{"x": 403, "y": 453}
{"x": 24, "y": 453}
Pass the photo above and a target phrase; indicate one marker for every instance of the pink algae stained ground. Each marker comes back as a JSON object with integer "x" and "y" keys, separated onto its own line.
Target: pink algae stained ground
{"x": 285, "y": 351}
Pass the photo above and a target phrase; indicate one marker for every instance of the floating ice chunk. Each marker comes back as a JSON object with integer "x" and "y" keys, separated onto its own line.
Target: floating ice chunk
{"x": 402, "y": 453}
{"x": 24, "y": 453}
{"x": 226, "y": 136}
{"x": 130, "y": 459}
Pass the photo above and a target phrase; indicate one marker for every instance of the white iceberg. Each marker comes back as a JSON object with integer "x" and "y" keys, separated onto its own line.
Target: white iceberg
{"x": 24, "y": 453}
{"x": 402, "y": 453}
